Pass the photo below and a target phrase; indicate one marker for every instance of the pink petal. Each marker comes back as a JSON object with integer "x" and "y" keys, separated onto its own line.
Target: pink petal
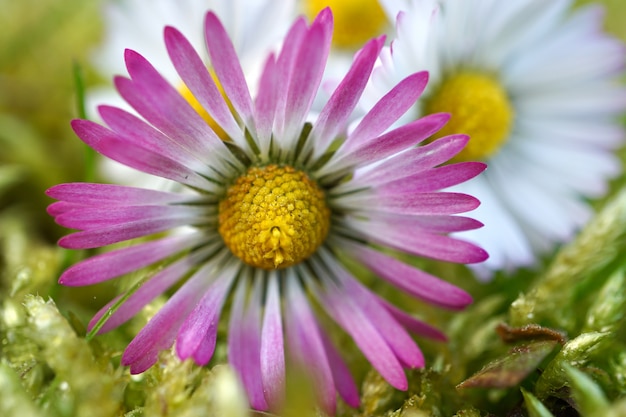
{"x": 339, "y": 107}
{"x": 434, "y": 179}
{"x": 344, "y": 382}
{"x": 89, "y": 218}
{"x": 159, "y": 333}
{"x": 115, "y": 147}
{"x": 430, "y": 223}
{"x": 272, "y": 349}
{"x": 420, "y": 243}
{"x": 378, "y": 148}
{"x": 148, "y": 291}
{"x": 409, "y": 279}
{"x": 284, "y": 67}
{"x": 227, "y": 68}
{"x": 388, "y": 109}
{"x": 113, "y": 195}
{"x": 304, "y": 82}
{"x": 198, "y": 333}
{"x": 265, "y": 104}
{"x": 132, "y": 129}
{"x": 413, "y": 161}
{"x": 367, "y": 337}
{"x": 244, "y": 343}
{"x": 197, "y": 78}
{"x": 394, "y": 334}
{"x": 164, "y": 107}
{"x": 96, "y": 238}
{"x": 412, "y": 324}
{"x": 407, "y": 202}
{"x": 116, "y": 263}
{"x": 306, "y": 344}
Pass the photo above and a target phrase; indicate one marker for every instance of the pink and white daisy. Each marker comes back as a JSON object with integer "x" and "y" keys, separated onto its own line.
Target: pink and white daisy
{"x": 267, "y": 212}
{"x": 535, "y": 84}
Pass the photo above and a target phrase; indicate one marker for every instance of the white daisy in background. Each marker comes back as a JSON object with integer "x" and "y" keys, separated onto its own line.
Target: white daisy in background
{"x": 535, "y": 85}
{"x": 255, "y": 27}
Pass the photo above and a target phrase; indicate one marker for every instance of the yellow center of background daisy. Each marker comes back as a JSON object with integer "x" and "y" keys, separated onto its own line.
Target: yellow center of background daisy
{"x": 479, "y": 107}
{"x": 356, "y": 21}
{"x": 273, "y": 217}
{"x": 191, "y": 99}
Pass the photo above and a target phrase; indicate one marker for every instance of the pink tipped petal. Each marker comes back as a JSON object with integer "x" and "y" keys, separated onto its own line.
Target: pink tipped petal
{"x": 342, "y": 309}
{"x": 90, "y": 218}
{"x": 244, "y": 343}
{"x": 272, "y": 348}
{"x": 419, "y": 243}
{"x": 394, "y": 334}
{"x": 265, "y": 104}
{"x": 284, "y": 68}
{"x": 135, "y": 130}
{"x": 60, "y": 207}
{"x": 339, "y": 107}
{"x": 430, "y": 223}
{"x": 197, "y": 78}
{"x": 393, "y": 105}
{"x": 305, "y": 80}
{"x": 227, "y": 68}
{"x": 114, "y": 195}
{"x": 414, "y": 325}
{"x": 325, "y": 19}
{"x": 435, "y": 179}
{"x": 344, "y": 383}
{"x": 95, "y": 238}
{"x": 412, "y": 162}
{"x": 378, "y": 148}
{"x": 306, "y": 344}
{"x": 113, "y": 264}
{"x": 149, "y": 290}
{"x": 113, "y": 146}
{"x": 198, "y": 333}
{"x": 160, "y": 332}
{"x": 408, "y": 202}
{"x": 409, "y": 279}
{"x": 163, "y": 106}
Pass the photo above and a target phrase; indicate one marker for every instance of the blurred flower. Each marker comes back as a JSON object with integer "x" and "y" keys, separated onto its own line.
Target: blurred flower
{"x": 255, "y": 27}
{"x": 535, "y": 86}
{"x": 268, "y": 211}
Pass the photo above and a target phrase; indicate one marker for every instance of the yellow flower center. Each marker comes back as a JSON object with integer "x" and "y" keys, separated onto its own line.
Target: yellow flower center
{"x": 479, "y": 107}
{"x": 356, "y": 21}
{"x": 191, "y": 99}
{"x": 273, "y": 217}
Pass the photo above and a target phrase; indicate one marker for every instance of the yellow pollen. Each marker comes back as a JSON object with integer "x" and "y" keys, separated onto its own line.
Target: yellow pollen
{"x": 191, "y": 99}
{"x": 273, "y": 217}
{"x": 479, "y": 107}
{"x": 356, "y": 21}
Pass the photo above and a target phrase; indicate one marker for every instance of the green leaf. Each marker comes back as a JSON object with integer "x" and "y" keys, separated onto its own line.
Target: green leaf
{"x": 589, "y": 398}
{"x": 511, "y": 369}
{"x": 534, "y": 407}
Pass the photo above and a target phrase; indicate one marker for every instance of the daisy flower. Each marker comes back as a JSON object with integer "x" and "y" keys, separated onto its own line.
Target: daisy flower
{"x": 268, "y": 213}
{"x": 535, "y": 86}
{"x": 255, "y": 27}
